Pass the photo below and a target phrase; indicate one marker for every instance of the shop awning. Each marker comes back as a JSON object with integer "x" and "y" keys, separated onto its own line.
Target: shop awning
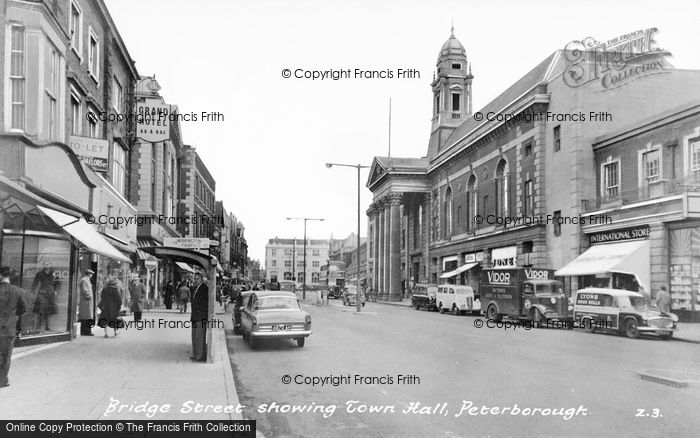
{"x": 184, "y": 266}
{"x": 459, "y": 270}
{"x": 623, "y": 257}
{"x": 144, "y": 242}
{"x": 84, "y": 233}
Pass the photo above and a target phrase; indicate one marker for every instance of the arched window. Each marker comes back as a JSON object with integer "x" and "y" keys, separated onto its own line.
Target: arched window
{"x": 472, "y": 202}
{"x": 448, "y": 211}
{"x": 502, "y": 188}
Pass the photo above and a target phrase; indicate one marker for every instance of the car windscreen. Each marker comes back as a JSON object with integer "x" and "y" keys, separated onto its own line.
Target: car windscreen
{"x": 276, "y": 303}
{"x": 640, "y": 302}
{"x": 548, "y": 288}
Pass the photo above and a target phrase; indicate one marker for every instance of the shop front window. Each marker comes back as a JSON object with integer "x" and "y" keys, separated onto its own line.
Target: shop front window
{"x": 42, "y": 267}
{"x": 684, "y": 246}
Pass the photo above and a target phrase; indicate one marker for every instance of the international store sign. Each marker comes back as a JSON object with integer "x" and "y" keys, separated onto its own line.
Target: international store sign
{"x": 186, "y": 242}
{"x": 641, "y": 232}
{"x": 94, "y": 152}
{"x": 153, "y": 120}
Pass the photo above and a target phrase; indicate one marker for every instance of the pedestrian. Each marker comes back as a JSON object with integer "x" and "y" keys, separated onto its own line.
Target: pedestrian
{"x": 137, "y": 293}
{"x": 85, "y": 311}
{"x": 183, "y": 296}
{"x": 645, "y": 294}
{"x": 663, "y": 300}
{"x": 168, "y": 295}
{"x": 200, "y": 314}
{"x": 11, "y": 306}
{"x": 45, "y": 287}
{"x": 110, "y": 305}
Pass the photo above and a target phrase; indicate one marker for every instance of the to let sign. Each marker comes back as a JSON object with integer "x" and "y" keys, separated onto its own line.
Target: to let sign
{"x": 92, "y": 151}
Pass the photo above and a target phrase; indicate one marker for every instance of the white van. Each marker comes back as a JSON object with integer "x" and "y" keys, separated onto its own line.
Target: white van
{"x": 456, "y": 299}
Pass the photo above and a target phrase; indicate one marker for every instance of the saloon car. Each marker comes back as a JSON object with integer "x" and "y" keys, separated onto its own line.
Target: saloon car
{"x": 626, "y": 312}
{"x": 277, "y": 315}
{"x": 423, "y": 296}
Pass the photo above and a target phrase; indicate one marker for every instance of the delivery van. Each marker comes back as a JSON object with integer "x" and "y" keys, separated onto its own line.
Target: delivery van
{"x": 456, "y": 299}
{"x": 523, "y": 293}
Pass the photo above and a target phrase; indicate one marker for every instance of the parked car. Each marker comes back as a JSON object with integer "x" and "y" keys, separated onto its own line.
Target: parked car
{"x": 423, "y": 296}
{"x": 350, "y": 296}
{"x": 626, "y": 312}
{"x": 274, "y": 315}
{"x": 456, "y": 299}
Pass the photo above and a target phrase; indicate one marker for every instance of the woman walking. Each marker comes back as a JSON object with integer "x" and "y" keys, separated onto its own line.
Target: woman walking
{"x": 110, "y": 305}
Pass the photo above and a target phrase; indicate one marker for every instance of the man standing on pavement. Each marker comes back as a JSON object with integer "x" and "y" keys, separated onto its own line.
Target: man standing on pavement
{"x": 663, "y": 300}
{"x": 200, "y": 314}
{"x": 85, "y": 315}
{"x": 11, "y": 305}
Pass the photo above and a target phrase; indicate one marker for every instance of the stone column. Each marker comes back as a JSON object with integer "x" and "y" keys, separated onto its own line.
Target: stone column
{"x": 386, "y": 246}
{"x": 427, "y": 226}
{"x": 395, "y": 248}
{"x": 379, "y": 252}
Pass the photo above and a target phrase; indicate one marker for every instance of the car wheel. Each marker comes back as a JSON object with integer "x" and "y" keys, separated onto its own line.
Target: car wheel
{"x": 300, "y": 342}
{"x": 455, "y": 310}
{"x": 589, "y": 326}
{"x": 492, "y": 314}
{"x": 440, "y": 308}
{"x": 631, "y": 328}
{"x": 416, "y": 306}
{"x": 537, "y": 317}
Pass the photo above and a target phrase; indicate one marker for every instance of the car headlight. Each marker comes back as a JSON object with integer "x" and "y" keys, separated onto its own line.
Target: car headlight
{"x": 553, "y": 300}
{"x": 307, "y": 319}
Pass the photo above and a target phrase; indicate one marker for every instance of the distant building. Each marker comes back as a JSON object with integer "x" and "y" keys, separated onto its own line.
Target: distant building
{"x": 284, "y": 259}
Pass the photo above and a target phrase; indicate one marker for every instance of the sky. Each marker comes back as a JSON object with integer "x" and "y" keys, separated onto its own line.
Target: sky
{"x": 268, "y": 154}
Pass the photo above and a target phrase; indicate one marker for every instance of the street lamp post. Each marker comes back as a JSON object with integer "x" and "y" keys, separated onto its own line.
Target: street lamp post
{"x": 358, "y": 167}
{"x": 305, "y": 219}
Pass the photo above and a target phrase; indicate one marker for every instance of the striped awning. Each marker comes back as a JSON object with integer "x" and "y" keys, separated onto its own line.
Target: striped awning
{"x": 144, "y": 242}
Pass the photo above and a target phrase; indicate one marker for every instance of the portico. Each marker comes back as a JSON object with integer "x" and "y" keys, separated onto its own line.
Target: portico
{"x": 395, "y": 182}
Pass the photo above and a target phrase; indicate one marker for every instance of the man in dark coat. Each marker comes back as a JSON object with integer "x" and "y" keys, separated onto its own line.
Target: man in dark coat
{"x": 11, "y": 305}
{"x": 200, "y": 314}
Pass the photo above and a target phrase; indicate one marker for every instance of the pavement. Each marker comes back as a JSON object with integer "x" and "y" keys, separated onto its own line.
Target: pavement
{"x": 141, "y": 370}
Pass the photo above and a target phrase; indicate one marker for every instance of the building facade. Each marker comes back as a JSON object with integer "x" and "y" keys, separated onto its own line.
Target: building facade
{"x": 648, "y": 184}
{"x": 284, "y": 260}
{"x": 63, "y": 163}
{"x": 504, "y": 187}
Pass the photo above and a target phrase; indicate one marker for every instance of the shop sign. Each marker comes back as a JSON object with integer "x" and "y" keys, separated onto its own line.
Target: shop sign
{"x": 153, "y": 120}
{"x": 640, "y": 232}
{"x": 504, "y": 258}
{"x": 94, "y": 152}
{"x": 186, "y": 242}
{"x": 474, "y": 257}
